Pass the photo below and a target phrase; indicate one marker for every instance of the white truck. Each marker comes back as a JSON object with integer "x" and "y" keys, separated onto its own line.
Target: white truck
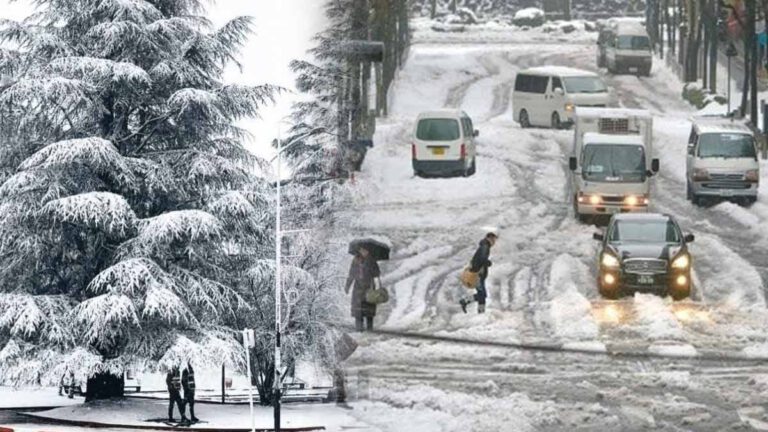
{"x": 612, "y": 162}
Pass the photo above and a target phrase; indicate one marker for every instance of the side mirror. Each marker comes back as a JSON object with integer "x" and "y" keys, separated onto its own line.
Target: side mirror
{"x": 689, "y": 238}
{"x": 572, "y": 163}
{"x": 598, "y": 236}
{"x": 655, "y": 165}
{"x": 690, "y": 149}
{"x": 476, "y": 133}
{"x": 559, "y": 91}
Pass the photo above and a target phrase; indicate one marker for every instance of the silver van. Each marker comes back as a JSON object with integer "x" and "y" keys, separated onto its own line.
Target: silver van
{"x": 443, "y": 144}
{"x": 628, "y": 49}
{"x": 722, "y": 161}
{"x": 548, "y": 95}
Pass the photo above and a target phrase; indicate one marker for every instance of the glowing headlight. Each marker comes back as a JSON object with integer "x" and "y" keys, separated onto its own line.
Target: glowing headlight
{"x": 681, "y": 262}
{"x": 609, "y": 260}
{"x": 569, "y": 107}
{"x": 609, "y": 279}
{"x": 631, "y": 200}
{"x": 595, "y": 199}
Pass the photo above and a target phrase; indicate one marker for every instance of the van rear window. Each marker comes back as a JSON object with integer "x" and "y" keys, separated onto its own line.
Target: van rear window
{"x": 438, "y": 130}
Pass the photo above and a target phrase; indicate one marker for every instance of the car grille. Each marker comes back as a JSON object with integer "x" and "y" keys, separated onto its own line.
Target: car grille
{"x": 726, "y": 177}
{"x": 645, "y": 266}
{"x": 613, "y": 199}
{"x": 726, "y": 181}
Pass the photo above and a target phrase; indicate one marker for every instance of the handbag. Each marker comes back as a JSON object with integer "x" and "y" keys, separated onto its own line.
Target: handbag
{"x": 377, "y": 295}
{"x": 469, "y": 278}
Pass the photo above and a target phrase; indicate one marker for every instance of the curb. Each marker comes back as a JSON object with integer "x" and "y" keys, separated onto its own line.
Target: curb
{"x": 157, "y": 427}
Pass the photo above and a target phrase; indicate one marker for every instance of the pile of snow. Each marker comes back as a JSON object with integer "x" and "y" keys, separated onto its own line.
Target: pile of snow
{"x": 34, "y": 398}
{"x": 571, "y": 312}
{"x": 500, "y": 31}
{"x": 529, "y": 17}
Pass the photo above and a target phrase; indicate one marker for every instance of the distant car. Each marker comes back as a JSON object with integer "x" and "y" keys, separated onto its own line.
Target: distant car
{"x": 547, "y": 96}
{"x": 627, "y": 49}
{"x": 444, "y": 144}
{"x": 722, "y": 161}
{"x": 644, "y": 253}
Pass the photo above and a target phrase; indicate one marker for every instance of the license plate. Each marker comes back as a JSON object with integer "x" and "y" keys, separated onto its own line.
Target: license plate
{"x": 613, "y": 210}
{"x": 633, "y": 69}
{"x": 438, "y": 151}
{"x": 726, "y": 193}
{"x": 645, "y": 280}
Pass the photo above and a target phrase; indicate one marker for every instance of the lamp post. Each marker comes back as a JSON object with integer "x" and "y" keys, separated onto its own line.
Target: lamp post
{"x": 730, "y": 52}
{"x": 278, "y": 272}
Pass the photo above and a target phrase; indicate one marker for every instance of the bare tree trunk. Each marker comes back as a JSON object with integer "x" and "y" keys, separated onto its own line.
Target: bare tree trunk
{"x": 713, "y": 40}
{"x": 433, "y": 9}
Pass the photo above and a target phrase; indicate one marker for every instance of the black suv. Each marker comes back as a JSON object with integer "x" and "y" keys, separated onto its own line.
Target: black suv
{"x": 644, "y": 252}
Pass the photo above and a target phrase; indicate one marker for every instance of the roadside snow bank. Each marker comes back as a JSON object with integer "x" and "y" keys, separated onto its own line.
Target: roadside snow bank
{"x": 571, "y": 312}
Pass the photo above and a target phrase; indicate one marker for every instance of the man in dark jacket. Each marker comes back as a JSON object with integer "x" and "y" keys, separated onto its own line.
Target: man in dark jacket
{"x": 173, "y": 382}
{"x": 479, "y": 265}
{"x": 188, "y": 383}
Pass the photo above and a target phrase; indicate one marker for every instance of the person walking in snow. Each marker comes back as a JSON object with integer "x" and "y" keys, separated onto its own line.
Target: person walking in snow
{"x": 362, "y": 274}
{"x": 188, "y": 383}
{"x": 479, "y": 264}
{"x": 173, "y": 382}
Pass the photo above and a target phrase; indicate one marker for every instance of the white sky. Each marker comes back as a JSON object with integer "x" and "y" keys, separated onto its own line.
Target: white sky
{"x": 283, "y": 32}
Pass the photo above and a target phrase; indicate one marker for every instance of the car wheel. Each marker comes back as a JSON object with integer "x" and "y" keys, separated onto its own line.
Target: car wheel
{"x": 748, "y": 201}
{"x": 556, "y": 124}
{"x": 688, "y": 192}
{"x": 695, "y": 199}
{"x": 525, "y": 121}
{"x": 473, "y": 168}
{"x": 679, "y": 294}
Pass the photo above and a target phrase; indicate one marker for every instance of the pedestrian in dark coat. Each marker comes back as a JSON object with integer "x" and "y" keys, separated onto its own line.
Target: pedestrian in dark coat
{"x": 362, "y": 274}
{"x": 188, "y": 383}
{"x": 173, "y": 382}
{"x": 479, "y": 264}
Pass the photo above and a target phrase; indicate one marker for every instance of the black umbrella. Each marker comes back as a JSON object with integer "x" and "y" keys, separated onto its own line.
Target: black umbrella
{"x": 379, "y": 251}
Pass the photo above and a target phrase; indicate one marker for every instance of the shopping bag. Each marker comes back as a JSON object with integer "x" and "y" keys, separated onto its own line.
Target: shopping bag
{"x": 469, "y": 278}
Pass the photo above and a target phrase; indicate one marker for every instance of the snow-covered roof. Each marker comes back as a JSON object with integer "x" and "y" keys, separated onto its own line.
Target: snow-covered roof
{"x": 441, "y": 113}
{"x": 598, "y": 138}
{"x": 642, "y": 216}
{"x": 562, "y": 71}
{"x": 611, "y": 112}
{"x": 719, "y": 125}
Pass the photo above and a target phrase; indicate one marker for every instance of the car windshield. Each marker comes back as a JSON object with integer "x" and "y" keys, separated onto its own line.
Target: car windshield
{"x": 614, "y": 163}
{"x": 438, "y": 130}
{"x": 584, "y": 85}
{"x": 726, "y": 145}
{"x": 633, "y": 42}
{"x": 645, "y": 231}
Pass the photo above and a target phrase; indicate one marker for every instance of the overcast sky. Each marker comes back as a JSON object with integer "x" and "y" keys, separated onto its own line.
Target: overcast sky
{"x": 284, "y": 29}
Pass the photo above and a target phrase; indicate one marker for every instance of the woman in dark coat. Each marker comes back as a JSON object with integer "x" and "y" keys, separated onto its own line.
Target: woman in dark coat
{"x": 363, "y": 272}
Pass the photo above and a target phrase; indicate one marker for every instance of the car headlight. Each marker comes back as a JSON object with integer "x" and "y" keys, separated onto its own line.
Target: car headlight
{"x": 569, "y": 107}
{"x": 591, "y": 199}
{"x": 633, "y": 200}
{"x": 752, "y": 176}
{"x": 700, "y": 174}
{"x": 609, "y": 260}
{"x": 682, "y": 262}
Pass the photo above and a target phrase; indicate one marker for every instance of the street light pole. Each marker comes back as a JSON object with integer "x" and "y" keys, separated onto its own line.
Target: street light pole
{"x": 278, "y": 274}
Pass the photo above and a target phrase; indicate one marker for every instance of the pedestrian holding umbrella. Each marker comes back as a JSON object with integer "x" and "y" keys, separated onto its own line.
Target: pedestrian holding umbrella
{"x": 363, "y": 273}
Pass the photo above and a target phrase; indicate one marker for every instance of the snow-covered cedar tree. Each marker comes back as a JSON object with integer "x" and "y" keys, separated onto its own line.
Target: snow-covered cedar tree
{"x": 135, "y": 229}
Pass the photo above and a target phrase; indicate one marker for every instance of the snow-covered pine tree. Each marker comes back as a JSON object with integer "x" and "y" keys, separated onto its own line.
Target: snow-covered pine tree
{"x": 134, "y": 227}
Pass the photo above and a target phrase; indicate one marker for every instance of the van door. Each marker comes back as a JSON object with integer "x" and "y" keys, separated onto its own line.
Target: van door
{"x": 610, "y": 52}
{"x": 690, "y": 163}
{"x": 557, "y": 100}
{"x": 469, "y": 139}
{"x": 540, "y": 101}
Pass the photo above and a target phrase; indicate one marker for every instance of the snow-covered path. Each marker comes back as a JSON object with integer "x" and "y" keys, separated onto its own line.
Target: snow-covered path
{"x": 541, "y": 286}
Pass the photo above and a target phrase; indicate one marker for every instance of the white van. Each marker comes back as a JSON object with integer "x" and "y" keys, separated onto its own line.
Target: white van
{"x": 443, "y": 143}
{"x": 547, "y": 96}
{"x": 628, "y": 49}
{"x": 722, "y": 161}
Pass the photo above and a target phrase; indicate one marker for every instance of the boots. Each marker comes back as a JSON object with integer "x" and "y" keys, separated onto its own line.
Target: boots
{"x": 463, "y": 303}
{"x": 481, "y": 308}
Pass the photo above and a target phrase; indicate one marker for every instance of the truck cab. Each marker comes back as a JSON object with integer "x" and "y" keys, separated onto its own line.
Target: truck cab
{"x": 612, "y": 162}
{"x": 722, "y": 161}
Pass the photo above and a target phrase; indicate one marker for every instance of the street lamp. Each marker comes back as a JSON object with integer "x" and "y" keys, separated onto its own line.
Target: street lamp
{"x": 730, "y": 52}
{"x": 278, "y": 271}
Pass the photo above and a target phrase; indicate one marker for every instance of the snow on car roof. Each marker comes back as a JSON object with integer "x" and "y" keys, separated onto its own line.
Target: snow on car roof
{"x": 557, "y": 70}
{"x": 441, "y": 113}
{"x": 642, "y": 216}
{"x": 611, "y": 112}
{"x": 598, "y": 138}
{"x": 719, "y": 124}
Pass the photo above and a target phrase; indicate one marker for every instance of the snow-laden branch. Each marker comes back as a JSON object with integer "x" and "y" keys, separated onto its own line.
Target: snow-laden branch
{"x": 103, "y": 211}
{"x": 97, "y": 71}
{"x": 104, "y": 318}
{"x": 132, "y": 277}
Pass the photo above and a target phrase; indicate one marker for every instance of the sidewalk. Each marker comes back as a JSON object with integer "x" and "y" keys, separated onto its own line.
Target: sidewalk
{"x": 34, "y": 398}
{"x": 151, "y": 414}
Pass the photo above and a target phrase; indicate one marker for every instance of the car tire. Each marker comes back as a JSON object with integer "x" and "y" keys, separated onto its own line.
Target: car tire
{"x": 688, "y": 191}
{"x": 473, "y": 168}
{"x": 555, "y": 121}
{"x": 678, "y": 295}
{"x": 524, "y": 119}
{"x": 695, "y": 199}
{"x": 748, "y": 201}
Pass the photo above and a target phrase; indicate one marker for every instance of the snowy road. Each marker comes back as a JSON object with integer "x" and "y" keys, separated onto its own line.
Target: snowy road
{"x": 542, "y": 283}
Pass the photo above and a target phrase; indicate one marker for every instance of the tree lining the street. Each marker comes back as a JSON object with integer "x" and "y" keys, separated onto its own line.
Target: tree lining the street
{"x": 135, "y": 229}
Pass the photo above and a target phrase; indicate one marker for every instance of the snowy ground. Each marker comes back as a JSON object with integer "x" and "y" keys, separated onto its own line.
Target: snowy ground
{"x": 541, "y": 285}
